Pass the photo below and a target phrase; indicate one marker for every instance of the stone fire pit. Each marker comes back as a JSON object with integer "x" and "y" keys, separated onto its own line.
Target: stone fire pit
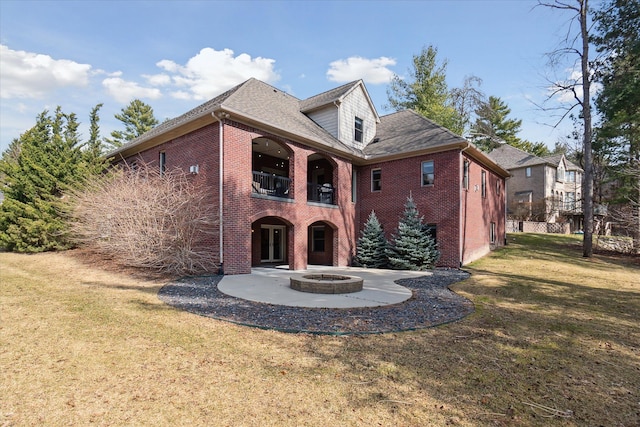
{"x": 326, "y": 283}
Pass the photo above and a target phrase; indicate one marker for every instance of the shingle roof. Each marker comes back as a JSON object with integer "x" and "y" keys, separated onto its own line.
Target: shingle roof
{"x": 327, "y": 97}
{"x": 258, "y": 101}
{"x": 555, "y": 159}
{"x": 253, "y": 101}
{"x": 262, "y": 102}
{"x": 407, "y": 131}
{"x": 510, "y": 157}
{"x": 194, "y": 113}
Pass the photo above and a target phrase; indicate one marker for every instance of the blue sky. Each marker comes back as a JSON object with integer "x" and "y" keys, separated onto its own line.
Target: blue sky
{"x": 176, "y": 55}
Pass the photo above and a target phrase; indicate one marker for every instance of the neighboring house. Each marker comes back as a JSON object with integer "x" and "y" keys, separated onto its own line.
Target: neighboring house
{"x": 293, "y": 181}
{"x": 545, "y": 189}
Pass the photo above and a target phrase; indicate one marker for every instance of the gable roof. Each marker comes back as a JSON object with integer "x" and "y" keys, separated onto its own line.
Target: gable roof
{"x": 256, "y": 103}
{"x": 328, "y": 97}
{"x": 510, "y": 157}
{"x": 252, "y": 101}
{"x": 557, "y": 158}
{"x": 336, "y": 96}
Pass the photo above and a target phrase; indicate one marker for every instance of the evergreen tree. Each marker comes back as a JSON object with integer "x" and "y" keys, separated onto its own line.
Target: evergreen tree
{"x": 34, "y": 173}
{"x": 426, "y": 91}
{"x": 618, "y": 137}
{"x": 137, "y": 118}
{"x": 412, "y": 248}
{"x": 371, "y": 249}
{"x": 493, "y": 127}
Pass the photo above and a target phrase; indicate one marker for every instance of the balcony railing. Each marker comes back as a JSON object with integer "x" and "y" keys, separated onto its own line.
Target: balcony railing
{"x": 321, "y": 193}
{"x": 271, "y": 185}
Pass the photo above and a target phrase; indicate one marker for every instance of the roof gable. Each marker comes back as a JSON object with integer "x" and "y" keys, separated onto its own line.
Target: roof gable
{"x": 336, "y": 96}
{"x": 510, "y": 157}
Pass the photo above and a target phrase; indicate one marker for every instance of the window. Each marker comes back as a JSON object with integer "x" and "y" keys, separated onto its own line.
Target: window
{"x": 465, "y": 175}
{"x": 359, "y": 127}
{"x": 570, "y": 176}
{"x": 317, "y": 238}
{"x": 427, "y": 173}
{"x": 492, "y": 232}
{"x": 376, "y": 180}
{"x": 163, "y": 162}
{"x": 528, "y": 172}
{"x": 560, "y": 173}
{"x": 570, "y": 201}
{"x": 484, "y": 183}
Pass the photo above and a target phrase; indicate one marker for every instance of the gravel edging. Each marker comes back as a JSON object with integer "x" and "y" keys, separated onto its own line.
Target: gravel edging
{"x": 432, "y": 304}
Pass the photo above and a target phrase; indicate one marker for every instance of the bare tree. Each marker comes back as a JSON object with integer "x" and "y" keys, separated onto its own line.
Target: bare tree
{"x": 578, "y": 45}
{"x": 145, "y": 219}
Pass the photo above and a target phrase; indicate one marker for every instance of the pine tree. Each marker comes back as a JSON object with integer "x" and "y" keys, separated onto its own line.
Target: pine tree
{"x": 34, "y": 174}
{"x": 426, "y": 91}
{"x": 371, "y": 249}
{"x": 137, "y": 118}
{"x": 412, "y": 248}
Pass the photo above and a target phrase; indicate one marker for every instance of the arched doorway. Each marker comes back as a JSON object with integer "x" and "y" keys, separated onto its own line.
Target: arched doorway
{"x": 269, "y": 242}
{"x": 321, "y": 236}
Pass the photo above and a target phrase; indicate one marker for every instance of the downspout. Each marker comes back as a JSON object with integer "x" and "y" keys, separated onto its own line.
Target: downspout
{"x": 220, "y": 117}
{"x": 463, "y": 237}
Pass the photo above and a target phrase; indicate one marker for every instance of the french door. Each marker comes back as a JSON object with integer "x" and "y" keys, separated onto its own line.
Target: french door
{"x": 272, "y": 243}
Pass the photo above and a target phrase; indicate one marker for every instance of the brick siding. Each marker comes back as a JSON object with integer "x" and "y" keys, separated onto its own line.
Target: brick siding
{"x": 462, "y": 217}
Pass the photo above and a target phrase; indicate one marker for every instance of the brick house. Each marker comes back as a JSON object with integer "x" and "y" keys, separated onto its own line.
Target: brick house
{"x": 547, "y": 189}
{"x": 293, "y": 181}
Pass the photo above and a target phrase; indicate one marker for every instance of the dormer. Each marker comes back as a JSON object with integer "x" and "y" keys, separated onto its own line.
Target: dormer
{"x": 346, "y": 112}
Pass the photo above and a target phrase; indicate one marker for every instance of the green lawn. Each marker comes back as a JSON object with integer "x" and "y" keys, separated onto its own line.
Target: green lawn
{"x": 555, "y": 340}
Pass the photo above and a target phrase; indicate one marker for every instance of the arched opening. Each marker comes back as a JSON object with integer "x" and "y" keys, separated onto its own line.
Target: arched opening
{"x": 270, "y": 168}
{"x": 321, "y": 236}
{"x": 321, "y": 180}
{"x": 269, "y": 242}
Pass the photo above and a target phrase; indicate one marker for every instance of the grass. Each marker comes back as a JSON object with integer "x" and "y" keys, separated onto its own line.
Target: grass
{"x": 554, "y": 340}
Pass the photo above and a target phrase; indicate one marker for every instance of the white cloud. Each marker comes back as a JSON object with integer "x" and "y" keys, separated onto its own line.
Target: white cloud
{"x": 211, "y": 72}
{"x": 124, "y": 91}
{"x": 573, "y": 85}
{"x": 373, "y": 71}
{"x": 157, "y": 79}
{"x": 31, "y": 75}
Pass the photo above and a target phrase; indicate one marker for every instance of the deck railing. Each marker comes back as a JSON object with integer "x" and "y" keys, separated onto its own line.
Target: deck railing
{"x": 321, "y": 193}
{"x": 271, "y": 185}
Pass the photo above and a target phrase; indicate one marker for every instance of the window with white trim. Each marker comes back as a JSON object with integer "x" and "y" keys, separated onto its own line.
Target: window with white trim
{"x": 428, "y": 174}
{"x": 359, "y": 129}
{"x": 527, "y": 172}
{"x": 376, "y": 180}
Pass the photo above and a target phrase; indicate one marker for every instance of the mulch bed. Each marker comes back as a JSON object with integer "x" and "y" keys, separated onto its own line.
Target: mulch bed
{"x": 432, "y": 304}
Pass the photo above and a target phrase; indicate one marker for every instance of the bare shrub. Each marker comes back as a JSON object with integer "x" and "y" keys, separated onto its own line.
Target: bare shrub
{"x": 142, "y": 218}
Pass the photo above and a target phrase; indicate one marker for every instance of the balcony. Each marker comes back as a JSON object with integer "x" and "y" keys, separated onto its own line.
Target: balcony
{"x": 268, "y": 184}
{"x": 318, "y": 193}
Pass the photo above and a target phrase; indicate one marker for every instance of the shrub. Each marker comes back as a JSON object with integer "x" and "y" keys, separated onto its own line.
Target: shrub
{"x": 371, "y": 249}
{"x": 412, "y": 248}
{"x": 142, "y": 218}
